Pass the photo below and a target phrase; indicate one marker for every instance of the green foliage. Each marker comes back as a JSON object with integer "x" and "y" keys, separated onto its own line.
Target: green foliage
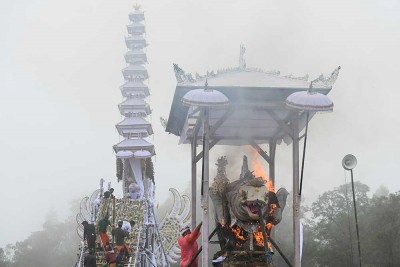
{"x": 327, "y": 241}
{"x": 331, "y": 232}
{"x": 55, "y": 245}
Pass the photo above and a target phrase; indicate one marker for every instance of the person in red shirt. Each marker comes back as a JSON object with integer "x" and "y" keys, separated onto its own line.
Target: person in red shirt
{"x": 189, "y": 246}
{"x": 111, "y": 258}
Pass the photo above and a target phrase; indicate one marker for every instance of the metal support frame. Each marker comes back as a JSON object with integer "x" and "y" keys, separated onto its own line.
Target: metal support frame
{"x": 291, "y": 129}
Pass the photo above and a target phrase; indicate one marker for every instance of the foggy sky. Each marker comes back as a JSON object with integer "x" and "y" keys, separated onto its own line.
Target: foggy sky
{"x": 60, "y": 72}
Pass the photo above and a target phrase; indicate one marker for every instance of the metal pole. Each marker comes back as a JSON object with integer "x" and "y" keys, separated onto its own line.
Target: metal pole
{"x": 304, "y": 153}
{"x": 205, "y": 188}
{"x": 201, "y": 248}
{"x": 296, "y": 196}
{"x": 262, "y": 225}
{"x": 355, "y": 215}
{"x": 280, "y": 252}
{"x": 194, "y": 181}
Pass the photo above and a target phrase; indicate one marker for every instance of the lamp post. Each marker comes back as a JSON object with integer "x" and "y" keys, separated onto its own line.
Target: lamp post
{"x": 206, "y": 99}
{"x": 303, "y": 101}
{"x": 349, "y": 162}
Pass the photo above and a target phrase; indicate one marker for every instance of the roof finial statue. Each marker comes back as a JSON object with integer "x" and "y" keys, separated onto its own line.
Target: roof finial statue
{"x": 206, "y": 86}
{"x": 242, "y": 62}
{"x": 136, "y": 6}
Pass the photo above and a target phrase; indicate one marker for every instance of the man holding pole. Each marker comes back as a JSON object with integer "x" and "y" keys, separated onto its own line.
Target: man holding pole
{"x": 188, "y": 245}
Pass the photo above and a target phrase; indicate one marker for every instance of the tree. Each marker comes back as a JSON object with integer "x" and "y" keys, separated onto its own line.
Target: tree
{"x": 4, "y": 260}
{"x": 381, "y": 246}
{"x": 332, "y": 225}
{"x": 55, "y": 245}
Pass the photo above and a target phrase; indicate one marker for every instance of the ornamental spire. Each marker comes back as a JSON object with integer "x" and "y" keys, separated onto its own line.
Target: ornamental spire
{"x": 135, "y": 128}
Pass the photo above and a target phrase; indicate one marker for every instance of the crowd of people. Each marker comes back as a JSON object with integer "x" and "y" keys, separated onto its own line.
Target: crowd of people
{"x": 116, "y": 251}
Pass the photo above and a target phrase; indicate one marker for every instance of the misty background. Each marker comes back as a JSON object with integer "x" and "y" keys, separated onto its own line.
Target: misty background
{"x": 60, "y": 73}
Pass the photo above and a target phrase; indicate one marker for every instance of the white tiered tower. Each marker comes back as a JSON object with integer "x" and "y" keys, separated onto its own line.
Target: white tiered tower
{"x": 134, "y": 127}
{"x": 134, "y": 163}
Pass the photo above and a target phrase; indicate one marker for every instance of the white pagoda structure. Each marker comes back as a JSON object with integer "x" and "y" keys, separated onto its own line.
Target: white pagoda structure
{"x": 150, "y": 243}
{"x": 134, "y": 152}
{"x": 134, "y": 128}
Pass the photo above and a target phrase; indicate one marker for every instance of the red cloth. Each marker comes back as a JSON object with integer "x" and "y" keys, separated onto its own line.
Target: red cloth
{"x": 111, "y": 257}
{"x": 189, "y": 248}
{"x": 104, "y": 238}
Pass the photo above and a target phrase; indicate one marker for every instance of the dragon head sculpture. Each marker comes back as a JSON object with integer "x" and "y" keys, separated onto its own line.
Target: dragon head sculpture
{"x": 241, "y": 201}
{"x": 247, "y": 198}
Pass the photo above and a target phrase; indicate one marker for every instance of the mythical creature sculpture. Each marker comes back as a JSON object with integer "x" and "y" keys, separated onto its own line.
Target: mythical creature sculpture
{"x": 239, "y": 202}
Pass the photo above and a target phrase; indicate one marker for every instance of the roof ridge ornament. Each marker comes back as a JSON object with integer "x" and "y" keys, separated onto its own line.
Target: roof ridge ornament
{"x": 328, "y": 81}
{"x": 302, "y": 78}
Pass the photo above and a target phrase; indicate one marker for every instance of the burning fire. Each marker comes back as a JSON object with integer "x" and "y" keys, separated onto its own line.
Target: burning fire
{"x": 258, "y": 236}
{"x": 259, "y": 170}
{"x": 239, "y": 234}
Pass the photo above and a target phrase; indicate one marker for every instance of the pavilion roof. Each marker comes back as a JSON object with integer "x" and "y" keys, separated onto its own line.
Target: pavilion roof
{"x": 257, "y": 109}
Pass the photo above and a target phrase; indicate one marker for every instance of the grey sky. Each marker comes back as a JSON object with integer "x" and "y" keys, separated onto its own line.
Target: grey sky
{"x": 60, "y": 72}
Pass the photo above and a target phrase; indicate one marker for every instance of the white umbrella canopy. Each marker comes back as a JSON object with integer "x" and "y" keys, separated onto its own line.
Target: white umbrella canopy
{"x": 309, "y": 101}
{"x": 142, "y": 154}
{"x": 124, "y": 154}
{"x": 205, "y": 98}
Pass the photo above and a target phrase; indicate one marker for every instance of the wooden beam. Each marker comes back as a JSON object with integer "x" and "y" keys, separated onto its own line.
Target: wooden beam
{"x": 244, "y": 138}
{"x": 272, "y": 150}
{"x": 194, "y": 112}
{"x": 220, "y": 121}
{"x": 280, "y": 132}
{"x": 260, "y": 151}
{"x": 281, "y": 123}
{"x": 197, "y": 128}
{"x": 212, "y": 144}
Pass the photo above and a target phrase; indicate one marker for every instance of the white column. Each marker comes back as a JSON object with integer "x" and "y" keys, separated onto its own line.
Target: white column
{"x": 204, "y": 203}
{"x": 296, "y": 196}
{"x": 194, "y": 181}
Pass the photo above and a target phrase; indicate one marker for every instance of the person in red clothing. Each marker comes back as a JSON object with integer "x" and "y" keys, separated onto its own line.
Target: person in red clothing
{"x": 189, "y": 246}
{"x": 111, "y": 258}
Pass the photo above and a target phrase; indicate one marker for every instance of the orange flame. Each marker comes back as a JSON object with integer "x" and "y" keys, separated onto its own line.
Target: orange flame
{"x": 259, "y": 170}
{"x": 238, "y": 233}
{"x": 258, "y": 236}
